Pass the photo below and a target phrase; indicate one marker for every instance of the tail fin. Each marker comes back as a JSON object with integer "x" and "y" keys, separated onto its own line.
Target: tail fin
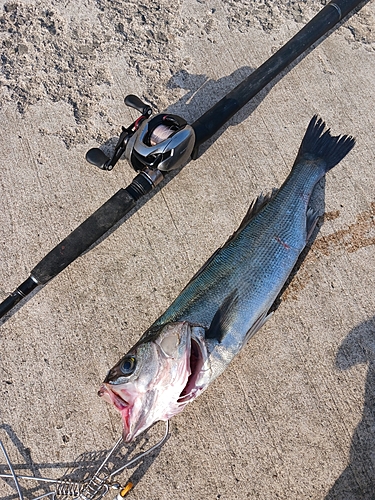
{"x": 316, "y": 144}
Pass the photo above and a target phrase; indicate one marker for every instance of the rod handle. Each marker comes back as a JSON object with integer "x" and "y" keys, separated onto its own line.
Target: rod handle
{"x": 93, "y": 228}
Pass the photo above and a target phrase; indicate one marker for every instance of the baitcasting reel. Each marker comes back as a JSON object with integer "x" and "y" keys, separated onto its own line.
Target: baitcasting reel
{"x": 164, "y": 142}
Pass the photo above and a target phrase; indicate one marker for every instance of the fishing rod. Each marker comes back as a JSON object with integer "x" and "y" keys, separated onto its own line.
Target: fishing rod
{"x": 155, "y": 146}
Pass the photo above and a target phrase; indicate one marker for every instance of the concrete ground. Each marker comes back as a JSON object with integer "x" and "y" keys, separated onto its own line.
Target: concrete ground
{"x": 293, "y": 417}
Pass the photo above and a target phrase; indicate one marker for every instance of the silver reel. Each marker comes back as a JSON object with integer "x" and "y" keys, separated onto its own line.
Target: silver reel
{"x": 162, "y": 143}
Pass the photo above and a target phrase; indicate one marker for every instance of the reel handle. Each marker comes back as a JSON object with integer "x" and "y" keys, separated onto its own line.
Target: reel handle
{"x": 96, "y": 157}
{"x": 135, "y": 102}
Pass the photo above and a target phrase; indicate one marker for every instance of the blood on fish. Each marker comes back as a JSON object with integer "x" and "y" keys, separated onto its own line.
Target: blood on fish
{"x": 279, "y": 240}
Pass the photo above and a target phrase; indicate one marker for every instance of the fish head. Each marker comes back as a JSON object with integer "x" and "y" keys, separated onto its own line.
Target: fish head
{"x": 145, "y": 385}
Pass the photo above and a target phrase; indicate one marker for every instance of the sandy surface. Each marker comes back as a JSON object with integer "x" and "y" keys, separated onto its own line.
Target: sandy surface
{"x": 293, "y": 417}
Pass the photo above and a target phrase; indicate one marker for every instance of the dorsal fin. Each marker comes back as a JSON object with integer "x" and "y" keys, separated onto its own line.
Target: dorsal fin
{"x": 254, "y": 209}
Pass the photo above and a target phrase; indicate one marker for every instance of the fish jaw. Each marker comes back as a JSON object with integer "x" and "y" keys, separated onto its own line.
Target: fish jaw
{"x": 123, "y": 399}
{"x": 128, "y": 403}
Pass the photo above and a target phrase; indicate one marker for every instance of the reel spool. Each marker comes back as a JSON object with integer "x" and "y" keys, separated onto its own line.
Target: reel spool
{"x": 159, "y": 134}
{"x": 164, "y": 142}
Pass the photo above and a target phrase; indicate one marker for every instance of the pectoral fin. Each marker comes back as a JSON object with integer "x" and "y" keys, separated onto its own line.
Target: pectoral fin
{"x": 223, "y": 318}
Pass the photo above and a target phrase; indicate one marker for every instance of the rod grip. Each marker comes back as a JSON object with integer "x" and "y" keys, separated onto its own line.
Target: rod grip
{"x": 85, "y": 235}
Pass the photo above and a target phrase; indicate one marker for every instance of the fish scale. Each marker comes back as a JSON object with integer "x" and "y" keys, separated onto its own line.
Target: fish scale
{"x": 256, "y": 261}
{"x": 228, "y": 300}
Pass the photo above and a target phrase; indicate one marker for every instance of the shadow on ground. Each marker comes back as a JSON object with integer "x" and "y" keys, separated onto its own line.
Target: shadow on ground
{"x": 80, "y": 471}
{"x": 357, "y": 482}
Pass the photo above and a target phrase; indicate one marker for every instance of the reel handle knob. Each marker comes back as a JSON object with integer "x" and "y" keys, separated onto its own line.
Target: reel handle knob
{"x": 134, "y": 102}
{"x": 96, "y": 157}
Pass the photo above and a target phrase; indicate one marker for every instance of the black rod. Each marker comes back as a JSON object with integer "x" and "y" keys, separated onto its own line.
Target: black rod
{"x": 21, "y": 292}
{"x": 109, "y": 214}
{"x": 212, "y": 121}
{"x": 81, "y": 239}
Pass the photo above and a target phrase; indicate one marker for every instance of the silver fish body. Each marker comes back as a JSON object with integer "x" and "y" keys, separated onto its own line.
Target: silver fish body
{"x": 228, "y": 300}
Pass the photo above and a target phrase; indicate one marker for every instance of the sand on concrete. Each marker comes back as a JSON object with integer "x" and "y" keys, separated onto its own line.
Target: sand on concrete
{"x": 293, "y": 416}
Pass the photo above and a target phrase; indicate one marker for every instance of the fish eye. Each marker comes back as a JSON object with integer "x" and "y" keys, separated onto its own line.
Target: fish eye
{"x": 128, "y": 364}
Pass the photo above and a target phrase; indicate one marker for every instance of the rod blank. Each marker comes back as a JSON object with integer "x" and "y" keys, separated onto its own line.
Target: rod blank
{"x": 217, "y": 116}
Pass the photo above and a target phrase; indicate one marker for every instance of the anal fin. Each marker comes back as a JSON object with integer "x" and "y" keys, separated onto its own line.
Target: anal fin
{"x": 311, "y": 221}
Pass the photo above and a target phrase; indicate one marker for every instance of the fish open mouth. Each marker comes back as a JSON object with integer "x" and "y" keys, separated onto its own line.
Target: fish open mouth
{"x": 123, "y": 406}
{"x": 196, "y": 363}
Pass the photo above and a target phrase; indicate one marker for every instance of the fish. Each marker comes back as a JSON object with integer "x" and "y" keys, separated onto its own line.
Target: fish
{"x": 227, "y": 301}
